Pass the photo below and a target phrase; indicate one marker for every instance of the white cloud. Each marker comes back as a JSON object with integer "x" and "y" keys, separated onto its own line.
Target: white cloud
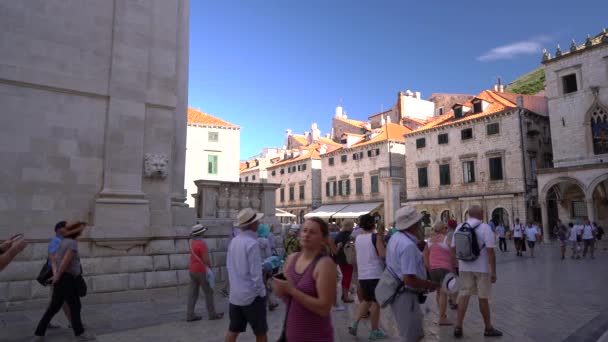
{"x": 526, "y": 47}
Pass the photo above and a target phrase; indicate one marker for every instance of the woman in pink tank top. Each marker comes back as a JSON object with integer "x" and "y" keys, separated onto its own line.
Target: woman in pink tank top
{"x": 438, "y": 259}
{"x": 310, "y": 288}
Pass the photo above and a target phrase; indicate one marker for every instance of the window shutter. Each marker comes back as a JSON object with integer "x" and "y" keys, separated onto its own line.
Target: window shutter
{"x": 327, "y": 189}
{"x": 347, "y": 187}
{"x": 340, "y": 188}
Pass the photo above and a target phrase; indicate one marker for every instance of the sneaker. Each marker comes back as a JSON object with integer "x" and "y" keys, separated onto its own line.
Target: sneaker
{"x": 458, "y": 332}
{"x": 377, "y": 335}
{"x": 85, "y": 337}
{"x": 353, "y": 329}
{"x": 194, "y": 318}
{"x": 493, "y": 332}
{"x": 339, "y": 307}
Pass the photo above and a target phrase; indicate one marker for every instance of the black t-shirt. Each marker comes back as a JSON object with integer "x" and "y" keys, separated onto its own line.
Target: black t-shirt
{"x": 342, "y": 237}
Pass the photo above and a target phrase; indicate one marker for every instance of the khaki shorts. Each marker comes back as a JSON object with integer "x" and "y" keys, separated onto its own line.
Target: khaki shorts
{"x": 475, "y": 283}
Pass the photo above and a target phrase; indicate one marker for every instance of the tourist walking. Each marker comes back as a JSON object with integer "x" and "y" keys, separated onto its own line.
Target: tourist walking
{"x": 518, "y": 234}
{"x": 309, "y": 287}
{"x": 201, "y": 276}
{"x": 588, "y": 236}
{"x": 477, "y": 269}
{"x": 341, "y": 239}
{"x": 60, "y": 230}
{"x": 532, "y": 235}
{"x": 68, "y": 285}
{"x": 573, "y": 239}
{"x": 561, "y": 231}
{"x": 370, "y": 251}
{"x": 405, "y": 262}
{"x": 438, "y": 259}
{"x": 501, "y": 231}
{"x": 247, "y": 297}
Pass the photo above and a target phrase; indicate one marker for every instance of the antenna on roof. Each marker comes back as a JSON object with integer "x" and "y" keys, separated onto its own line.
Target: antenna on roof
{"x": 498, "y": 81}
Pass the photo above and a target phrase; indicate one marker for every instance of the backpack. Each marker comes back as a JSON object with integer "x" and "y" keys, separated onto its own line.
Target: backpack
{"x": 466, "y": 244}
{"x": 349, "y": 251}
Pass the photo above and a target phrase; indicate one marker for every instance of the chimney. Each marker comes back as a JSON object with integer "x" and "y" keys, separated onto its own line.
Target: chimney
{"x": 388, "y": 119}
{"x": 344, "y": 115}
{"x": 501, "y": 88}
{"x": 417, "y": 95}
{"x": 315, "y": 132}
{"x": 288, "y": 132}
{"x": 409, "y": 93}
{"x": 328, "y": 136}
{"x": 339, "y": 112}
{"x": 520, "y": 101}
{"x": 382, "y": 121}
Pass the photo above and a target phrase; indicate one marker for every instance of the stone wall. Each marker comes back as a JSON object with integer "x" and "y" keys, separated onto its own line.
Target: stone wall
{"x": 92, "y": 92}
{"x": 446, "y": 101}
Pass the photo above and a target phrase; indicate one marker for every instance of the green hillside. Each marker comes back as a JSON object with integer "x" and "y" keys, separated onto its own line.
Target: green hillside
{"x": 529, "y": 84}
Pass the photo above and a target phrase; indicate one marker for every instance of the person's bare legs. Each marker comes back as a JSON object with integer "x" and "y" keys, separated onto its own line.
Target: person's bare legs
{"x": 261, "y": 338}
{"x": 375, "y": 315}
{"x": 231, "y": 336}
{"x": 443, "y": 307}
{"x": 463, "y": 303}
{"x": 484, "y": 308}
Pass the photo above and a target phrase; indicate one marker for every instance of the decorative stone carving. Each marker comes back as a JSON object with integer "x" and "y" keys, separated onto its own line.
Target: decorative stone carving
{"x": 558, "y": 52}
{"x": 234, "y": 202}
{"x": 588, "y": 41}
{"x": 222, "y": 203}
{"x": 245, "y": 198}
{"x": 156, "y": 165}
{"x": 546, "y": 55}
{"x": 573, "y": 46}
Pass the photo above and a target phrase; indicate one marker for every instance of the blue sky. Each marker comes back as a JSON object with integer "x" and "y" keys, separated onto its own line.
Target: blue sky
{"x": 271, "y": 65}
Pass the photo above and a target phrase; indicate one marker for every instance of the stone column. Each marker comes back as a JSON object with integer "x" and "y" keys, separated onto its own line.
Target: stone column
{"x": 545, "y": 220}
{"x": 178, "y": 195}
{"x": 268, "y": 206}
{"x": 392, "y": 200}
{"x": 590, "y": 209}
{"x": 121, "y": 209}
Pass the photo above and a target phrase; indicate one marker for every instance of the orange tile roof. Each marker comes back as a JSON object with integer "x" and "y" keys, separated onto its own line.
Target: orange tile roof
{"x": 328, "y": 142}
{"x": 390, "y": 131}
{"x": 352, "y": 122}
{"x": 311, "y": 152}
{"x": 416, "y": 120}
{"x": 300, "y": 139}
{"x": 195, "y": 116}
{"x": 498, "y": 103}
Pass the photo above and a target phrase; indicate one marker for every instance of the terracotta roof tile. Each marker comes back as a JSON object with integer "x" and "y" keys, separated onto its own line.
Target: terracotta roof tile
{"x": 328, "y": 142}
{"x": 311, "y": 152}
{"x": 195, "y": 116}
{"x": 300, "y": 139}
{"x": 352, "y": 122}
{"x": 390, "y": 131}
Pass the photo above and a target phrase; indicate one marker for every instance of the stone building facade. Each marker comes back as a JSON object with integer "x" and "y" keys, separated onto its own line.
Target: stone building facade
{"x": 444, "y": 102}
{"x": 366, "y": 173}
{"x": 485, "y": 152}
{"x": 576, "y": 187}
{"x": 93, "y": 127}
{"x": 212, "y": 151}
{"x": 298, "y": 175}
{"x": 409, "y": 110}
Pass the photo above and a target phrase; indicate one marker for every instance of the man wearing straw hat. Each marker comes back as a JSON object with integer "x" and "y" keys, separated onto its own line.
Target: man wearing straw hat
{"x": 200, "y": 275}
{"x": 404, "y": 260}
{"x": 247, "y": 290}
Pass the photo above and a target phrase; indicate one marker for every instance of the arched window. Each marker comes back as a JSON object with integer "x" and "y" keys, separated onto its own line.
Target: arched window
{"x": 599, "y": 130}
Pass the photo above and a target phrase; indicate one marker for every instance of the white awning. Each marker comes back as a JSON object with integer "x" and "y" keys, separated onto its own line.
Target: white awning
{"x": 326, "y": 211}
{"x": 283, "y": 213}
{"x": 357, "y": 209}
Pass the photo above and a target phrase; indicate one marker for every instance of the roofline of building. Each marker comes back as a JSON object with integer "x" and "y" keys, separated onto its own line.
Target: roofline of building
{"x": 580, "y": 50}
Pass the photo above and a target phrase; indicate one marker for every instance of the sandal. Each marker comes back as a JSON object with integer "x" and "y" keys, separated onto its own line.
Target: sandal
{"x": 492, "y": 332}
{"x": 458, "y": 332}
{"x": 216, "y": 316}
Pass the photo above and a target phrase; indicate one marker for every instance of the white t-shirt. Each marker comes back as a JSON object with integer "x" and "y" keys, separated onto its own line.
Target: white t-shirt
{"x": 587, "y": 232}
{"x": 531, "y": 233}
{"x": 501, "y": 231}
{"x": 578, "y": 228}
{"x": 485, "y": 239}
{"x": 518, "y": 230}
{"x": 573, "y": 233}
{"x": 369, "y": 264}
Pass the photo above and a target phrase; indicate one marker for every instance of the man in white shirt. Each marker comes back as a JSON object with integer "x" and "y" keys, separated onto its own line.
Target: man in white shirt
{"x": 518, "y": 234}
{"x": 502, "y": 237}
{"x": 247, "y": 290}
{"x": 531, "y": 237}
{"x": 477, "y": 276}
{"x": 589, "y": 232}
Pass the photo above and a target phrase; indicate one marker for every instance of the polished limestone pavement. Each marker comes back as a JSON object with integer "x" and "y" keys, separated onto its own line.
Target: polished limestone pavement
{"x": 535, "y": 299}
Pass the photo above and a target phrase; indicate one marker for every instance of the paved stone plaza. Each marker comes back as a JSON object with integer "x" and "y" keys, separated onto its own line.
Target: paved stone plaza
{"x": 541, "y": 299}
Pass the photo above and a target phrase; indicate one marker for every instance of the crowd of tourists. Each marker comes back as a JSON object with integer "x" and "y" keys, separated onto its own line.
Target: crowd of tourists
{"x": 322, "y": 266}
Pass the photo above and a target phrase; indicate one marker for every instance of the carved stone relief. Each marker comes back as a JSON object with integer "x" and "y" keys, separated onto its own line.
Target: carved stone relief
{"x": 156, "y": 165}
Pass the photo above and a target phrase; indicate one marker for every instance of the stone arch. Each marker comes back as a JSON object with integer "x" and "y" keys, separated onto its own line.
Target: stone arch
{"x": 550, "y": 184}
{"x": 594, "y": 183}
{"x": 465, "y": 214}
{"x": 449, "y": 212}
{"x": 508, "y": 214}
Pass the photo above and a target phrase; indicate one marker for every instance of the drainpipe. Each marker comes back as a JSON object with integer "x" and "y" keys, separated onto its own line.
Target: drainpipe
{"x": 520, "y": 111}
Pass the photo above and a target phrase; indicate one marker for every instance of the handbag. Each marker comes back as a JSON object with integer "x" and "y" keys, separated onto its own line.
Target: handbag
{"x": 388, "y": 288}
{"x": 45, "y": 274}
